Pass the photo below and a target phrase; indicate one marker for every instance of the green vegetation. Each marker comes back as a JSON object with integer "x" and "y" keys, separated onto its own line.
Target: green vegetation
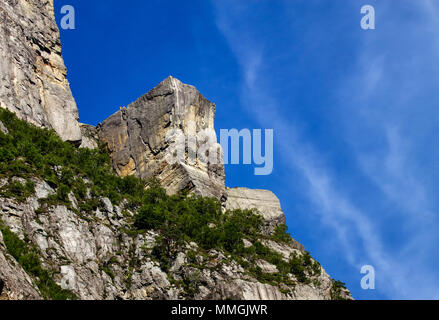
{"x": 28, "y": 152}
{"x": 281, "y": 235}
{"x": 181, "y": 219}
{"x": 337, "y": 290}
{"x": 28, "y": 257}
{"x": 106, "y": 267}
{"x": 18, "y": 190}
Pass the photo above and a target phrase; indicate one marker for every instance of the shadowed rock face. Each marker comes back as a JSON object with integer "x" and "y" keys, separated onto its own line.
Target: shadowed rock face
{"x": 33, "y": 80}
{"x": 137, "y": 137}
{"x": 90, "y": 138}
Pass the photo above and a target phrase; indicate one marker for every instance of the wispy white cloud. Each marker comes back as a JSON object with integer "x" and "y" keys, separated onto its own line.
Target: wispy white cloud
{"x": 390, "y": 168}
{"x": 403, "y": 78}
{"x": 394, "y": 98}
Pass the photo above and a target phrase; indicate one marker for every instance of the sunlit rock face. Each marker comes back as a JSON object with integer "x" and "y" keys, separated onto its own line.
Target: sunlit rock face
{"x": 265, "y": 201}
{"x": 143, "y": 139}
{"x": 33, "y": 80}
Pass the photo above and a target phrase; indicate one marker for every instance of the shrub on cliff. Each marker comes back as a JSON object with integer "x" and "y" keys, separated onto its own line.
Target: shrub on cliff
{"x": 30, "y": 151}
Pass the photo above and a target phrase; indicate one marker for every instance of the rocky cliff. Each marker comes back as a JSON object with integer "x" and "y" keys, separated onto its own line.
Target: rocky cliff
{"x": 33, "y": 80}
{"x": 140, "y": 136}
{"x": 95, "y": 235}
{"x": 89, "y": 222}
{"x": 96, "y": 259}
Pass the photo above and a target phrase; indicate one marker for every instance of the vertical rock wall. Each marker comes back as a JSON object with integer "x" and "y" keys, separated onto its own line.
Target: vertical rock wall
{"x": 138, "y": 139}
{"x": 33, "y": 80}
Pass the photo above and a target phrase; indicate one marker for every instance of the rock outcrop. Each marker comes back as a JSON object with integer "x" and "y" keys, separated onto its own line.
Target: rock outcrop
{"x": 143, "y": 137}
{"x": 33, "y": 80}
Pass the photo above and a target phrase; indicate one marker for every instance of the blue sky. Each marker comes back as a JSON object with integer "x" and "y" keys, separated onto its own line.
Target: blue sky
{"x": 354, "y": 112}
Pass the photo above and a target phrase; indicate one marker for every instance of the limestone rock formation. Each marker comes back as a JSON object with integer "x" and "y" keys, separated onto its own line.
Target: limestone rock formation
{"x": 33, "y": 80}
{"x": 141, "y": 136}
{"x": 267, "y": 205}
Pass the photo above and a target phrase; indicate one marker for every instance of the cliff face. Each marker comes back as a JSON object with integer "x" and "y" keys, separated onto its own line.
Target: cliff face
{"x": 62, "y": 220}
{"x": 140, "y": 137}
{"x": 33, "y": 81}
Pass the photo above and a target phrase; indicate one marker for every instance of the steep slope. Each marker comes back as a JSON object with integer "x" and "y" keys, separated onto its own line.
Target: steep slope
{"x": 33, "y": 80}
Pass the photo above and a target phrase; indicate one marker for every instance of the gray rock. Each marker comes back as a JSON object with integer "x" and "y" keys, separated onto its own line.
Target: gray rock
{"x": 285, "y": 249}
{"x": 3, "y": 128}
{"x": 252, "y": 290}
{"x": 137, "y": 138}
{"x": 68, "y": 280}
{"x": 179, "y": 262}
{"x": 90, "y": 137}
{"x": 42, "y": 189}
{"x": 107, "y": 205}
{"x": 266, "y": 266}
{"x": 73, "y": 200}
{"x": 33, "y": 81}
